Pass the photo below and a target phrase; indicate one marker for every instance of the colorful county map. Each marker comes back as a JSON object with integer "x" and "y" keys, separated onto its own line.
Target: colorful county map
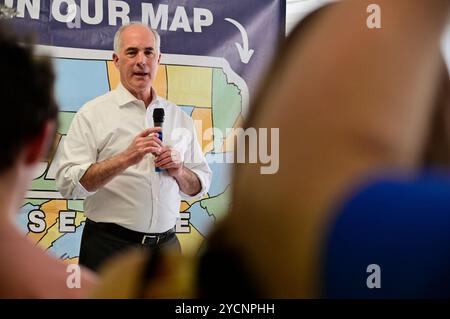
{"x": 205, "y": 93}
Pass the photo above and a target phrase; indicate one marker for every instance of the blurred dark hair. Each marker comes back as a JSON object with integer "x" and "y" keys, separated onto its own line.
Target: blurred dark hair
{"x": 26, "y": 93}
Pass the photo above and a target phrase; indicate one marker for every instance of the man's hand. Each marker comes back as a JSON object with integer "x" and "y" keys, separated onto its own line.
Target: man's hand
{"x": 145, "y": 142}
{"x": 102, "y": 172}
{"x": 169, "y": 159}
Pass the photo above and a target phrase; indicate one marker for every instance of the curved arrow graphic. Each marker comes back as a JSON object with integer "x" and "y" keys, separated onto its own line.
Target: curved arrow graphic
{"x": 245, "y": 53}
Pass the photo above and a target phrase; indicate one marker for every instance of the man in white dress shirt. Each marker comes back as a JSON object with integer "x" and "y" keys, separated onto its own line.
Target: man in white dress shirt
{"x": 111, "y": 153}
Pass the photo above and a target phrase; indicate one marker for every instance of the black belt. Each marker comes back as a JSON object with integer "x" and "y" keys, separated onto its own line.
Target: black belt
{"x": 147, "y": 239}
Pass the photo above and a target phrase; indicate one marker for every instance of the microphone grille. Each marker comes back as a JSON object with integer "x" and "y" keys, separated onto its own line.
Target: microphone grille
{"x": 158, "y": 115}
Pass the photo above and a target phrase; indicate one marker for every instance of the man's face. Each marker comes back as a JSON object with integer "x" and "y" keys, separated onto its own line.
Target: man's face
{"x": 137, "y": 60}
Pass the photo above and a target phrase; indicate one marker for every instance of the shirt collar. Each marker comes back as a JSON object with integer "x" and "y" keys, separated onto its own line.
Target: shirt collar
{"x": 125, "y": 97}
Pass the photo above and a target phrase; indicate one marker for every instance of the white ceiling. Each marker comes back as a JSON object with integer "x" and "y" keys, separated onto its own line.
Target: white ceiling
{"x": 297, "y": 9}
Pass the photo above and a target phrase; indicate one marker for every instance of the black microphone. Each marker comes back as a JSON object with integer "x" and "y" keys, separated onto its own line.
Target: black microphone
{"x": 158, "y": 121}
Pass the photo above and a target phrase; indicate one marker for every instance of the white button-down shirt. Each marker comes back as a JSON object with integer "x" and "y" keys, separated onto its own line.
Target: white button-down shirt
{"x": 139, "y": 199}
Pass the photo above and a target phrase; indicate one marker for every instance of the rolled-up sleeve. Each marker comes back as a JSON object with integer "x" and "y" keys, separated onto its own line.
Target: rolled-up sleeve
{"x": 196, "y": 162}
{"x": 79, "y": 152}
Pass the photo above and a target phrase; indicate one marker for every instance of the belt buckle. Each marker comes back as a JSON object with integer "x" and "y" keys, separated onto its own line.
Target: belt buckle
{"x": 150, "y": 236}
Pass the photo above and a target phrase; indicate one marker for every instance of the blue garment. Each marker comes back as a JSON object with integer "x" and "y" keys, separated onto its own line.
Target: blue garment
{"x": 401, "y": 226}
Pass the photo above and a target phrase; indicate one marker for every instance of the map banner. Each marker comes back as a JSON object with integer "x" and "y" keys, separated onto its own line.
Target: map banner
{"x": 194, "y": 27}
{"x": 214, "y": 54}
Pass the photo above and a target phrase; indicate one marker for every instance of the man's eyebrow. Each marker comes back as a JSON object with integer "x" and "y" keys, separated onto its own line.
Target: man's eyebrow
{"x": 135, "y": 49}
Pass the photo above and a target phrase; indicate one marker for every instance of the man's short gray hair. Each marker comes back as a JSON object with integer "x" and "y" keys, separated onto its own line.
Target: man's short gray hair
{"x": 117, "y": 36}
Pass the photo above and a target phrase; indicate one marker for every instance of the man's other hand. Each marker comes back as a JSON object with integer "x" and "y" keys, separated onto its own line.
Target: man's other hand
{"x": 169, "y": 159}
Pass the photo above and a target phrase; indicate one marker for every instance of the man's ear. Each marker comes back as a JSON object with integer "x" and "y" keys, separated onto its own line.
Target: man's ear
{"x": 115, "y": 59}
{"x": 159, "y": 58}
{"x": 38, "y": 147}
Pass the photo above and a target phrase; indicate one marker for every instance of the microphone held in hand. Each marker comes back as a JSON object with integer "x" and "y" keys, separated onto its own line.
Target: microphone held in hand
{"x": 158, "y": 121}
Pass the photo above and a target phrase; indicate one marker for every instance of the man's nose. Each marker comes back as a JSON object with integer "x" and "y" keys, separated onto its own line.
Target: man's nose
{"x": 141, "y": 59}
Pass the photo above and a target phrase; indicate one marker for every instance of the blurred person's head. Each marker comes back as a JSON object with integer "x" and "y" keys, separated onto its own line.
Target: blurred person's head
{"x": 29, "y": 115}
{"x": 274, "y": 212}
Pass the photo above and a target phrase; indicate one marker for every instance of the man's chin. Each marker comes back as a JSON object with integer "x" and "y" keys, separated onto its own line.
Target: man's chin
{"x": 142, "y": 86}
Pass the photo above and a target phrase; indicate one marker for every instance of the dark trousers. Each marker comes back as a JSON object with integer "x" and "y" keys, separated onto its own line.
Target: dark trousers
{"x": 99, "y": 245}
